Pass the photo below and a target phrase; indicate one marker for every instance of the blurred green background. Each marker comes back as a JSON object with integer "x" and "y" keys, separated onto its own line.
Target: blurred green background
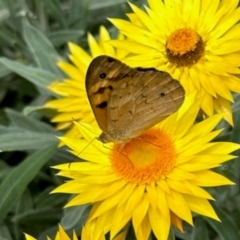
{"x": 33, "y": 36}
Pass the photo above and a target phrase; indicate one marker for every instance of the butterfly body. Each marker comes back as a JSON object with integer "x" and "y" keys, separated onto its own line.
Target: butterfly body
{"x": 127, "y": 101}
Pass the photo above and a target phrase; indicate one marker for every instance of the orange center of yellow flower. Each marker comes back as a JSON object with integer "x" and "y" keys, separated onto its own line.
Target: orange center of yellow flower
{"x": 145, "y": 159}
{"x": 184, "y": 47}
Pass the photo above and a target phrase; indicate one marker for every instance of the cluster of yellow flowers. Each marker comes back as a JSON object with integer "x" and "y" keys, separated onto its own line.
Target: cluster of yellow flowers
{"x": 197, "y": 43}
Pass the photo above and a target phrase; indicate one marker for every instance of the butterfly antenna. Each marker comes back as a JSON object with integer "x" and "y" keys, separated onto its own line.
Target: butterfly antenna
{"x": 69, "y": 165}
{"x": 106, "y": 147}
{"x": 90, "y": 130}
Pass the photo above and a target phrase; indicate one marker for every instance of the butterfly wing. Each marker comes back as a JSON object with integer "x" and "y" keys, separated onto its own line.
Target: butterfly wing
{"x": 145, "y": 98}
{"x": 102, "y": 75}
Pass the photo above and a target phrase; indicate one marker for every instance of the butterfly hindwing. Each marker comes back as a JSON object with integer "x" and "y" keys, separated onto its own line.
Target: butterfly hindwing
{"x": 149, "y": 98}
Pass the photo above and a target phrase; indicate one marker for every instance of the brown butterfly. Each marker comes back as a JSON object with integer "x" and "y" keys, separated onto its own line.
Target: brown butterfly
{"x": 127, "y": 101}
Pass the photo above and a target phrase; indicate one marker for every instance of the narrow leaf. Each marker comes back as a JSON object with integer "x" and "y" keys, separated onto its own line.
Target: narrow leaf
{"x": 4, "y": 233}
{"x": 227, "y": 229}
{"x": 61, "y": 37}
{"x": 4, "y": 71}
{"x": 73, "y": 215}
{"x": 55, "y": 9}
{"x": 17, "y": 139}
{"x": 4, "y": 13}
{"x": 39, "y": 77}
{"x": 200, "y": 230}
{"x": 28, "y": 110}
{"x": 171, "y": 235}
{"x": 28, "y": 123}
{"x": 17, "y": 181}
{"x": 42, "y": 49}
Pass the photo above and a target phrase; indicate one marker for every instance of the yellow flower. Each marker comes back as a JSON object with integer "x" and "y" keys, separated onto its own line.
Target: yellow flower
{"x": 197, "y": 42}
{"x": 60, "y": 235}
{"x": 73, "y": 102}
{"x": 145, "y": 180}
{"x": 85, "y": 235}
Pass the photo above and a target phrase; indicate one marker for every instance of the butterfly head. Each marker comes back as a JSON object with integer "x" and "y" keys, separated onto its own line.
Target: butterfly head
{"x": 102, "y": 138}
{"x": 114, "y": 137}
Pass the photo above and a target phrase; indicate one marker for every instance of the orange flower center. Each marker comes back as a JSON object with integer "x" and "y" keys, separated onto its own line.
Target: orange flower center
{"x": 145, "y": 159}
{"x": 184, "y": 47}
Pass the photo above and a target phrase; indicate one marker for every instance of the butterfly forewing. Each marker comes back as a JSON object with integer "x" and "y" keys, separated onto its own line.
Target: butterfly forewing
{"x": 102, "y": 75}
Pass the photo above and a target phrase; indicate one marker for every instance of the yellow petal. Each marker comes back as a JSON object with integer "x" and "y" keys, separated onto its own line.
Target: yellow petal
{"x": 188, "y": 188}
{"x": 221, "y": 148}
{"x": 140, "y": 212}
{"x": 94, "y": 46}
{"x": 130, "y": 45}
{"x": 201, "y": 206}
{"x": 174, "y": 200}
{"x": 71, "y": 71}
{"x": 209, "y": 179}
{"x": 144, "y": 230}
{"x": 28, "y": 237}
{"x": 80, "y": 53}
{"x": 159, "y": 224}
{"x": 104, "y": 36}
{"x": 178, "y": 174}
{"x": 62, "y": 233}
{"x": 144, "y": 18}
{"x": 152, "y": 195}
{"x": 223, "y": 106}
{"x": 118, "y": 220}
{"x": 176, "y": 221}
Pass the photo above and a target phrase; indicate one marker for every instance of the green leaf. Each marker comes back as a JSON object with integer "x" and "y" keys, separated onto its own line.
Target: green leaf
{"x": 79, "y": 13}
{"x": 28, "y": 110}
{"x": 25, "y": 202}
{"x": 236, "y": 104}
{"x": 3, "y": 4}
{"x": 18, "y": 139}
{"x": 4, "y": 71}
{"x": 42, "y": 49}
{"x": 4, "y": 170}
{"x": 39, "y": 77}
{"x": 182, "y": 235}
{"x": 235, "y": 137}
{"x": 4, "y": 233}
{"x": 38, "y": 215}
{"x": 171, "y": 235}
{"x": 55, "y": 9}
{"x": 62, "y": 37}
{"x": 7, "y": 38}
{"x": 19, "y": 120}
{"x": 95, "y": 4}
{"x": 75, "y": 9}
{"x": 200, "y": 230}
{"x": 4, "y": 13}
{"x": 45, "y": 198}
{"x": 17, "y": 181}
{"x": 3, "y": 238}
{"x": 51, "y": 233}
{"x": 25, "y": 133}
{"x": 73, "y": 216}
{"x": 13, "y": 8}
{"x": 227, "y": 229}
